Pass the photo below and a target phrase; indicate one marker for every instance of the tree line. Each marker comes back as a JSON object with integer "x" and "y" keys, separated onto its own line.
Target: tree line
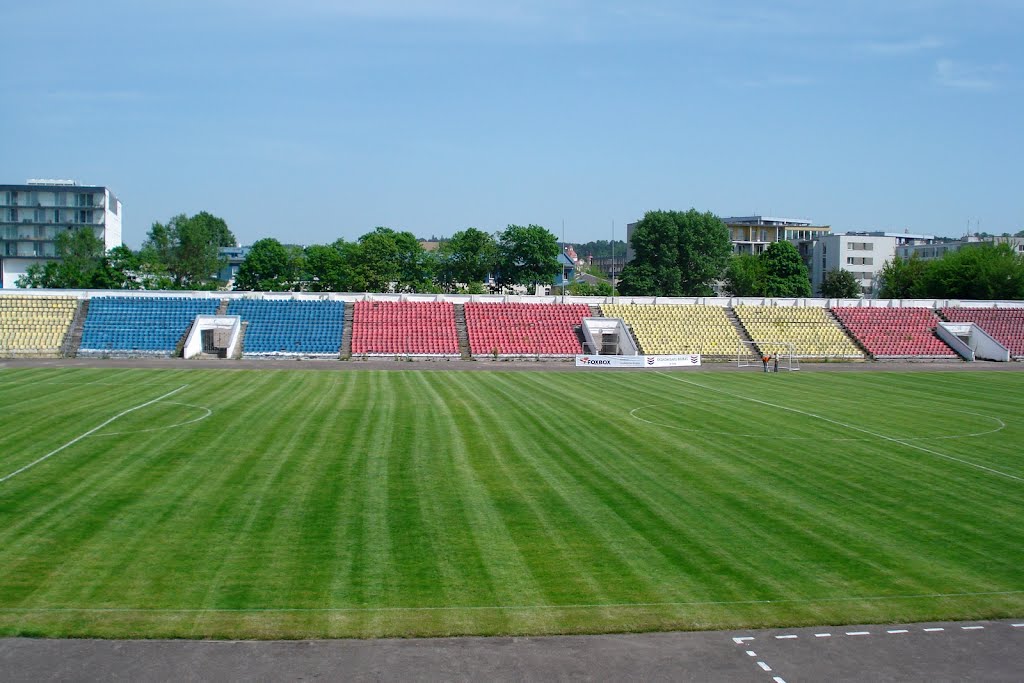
{"x": 184, "y": 253}
{"x": 677, "y": 253}
{"x": 975, "y": 271}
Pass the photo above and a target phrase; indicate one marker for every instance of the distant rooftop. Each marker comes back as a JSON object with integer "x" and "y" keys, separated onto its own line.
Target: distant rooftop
{"x": 765, "y": 220}
{"x": 882, "y": 233}
{"x": 49, "y": 181}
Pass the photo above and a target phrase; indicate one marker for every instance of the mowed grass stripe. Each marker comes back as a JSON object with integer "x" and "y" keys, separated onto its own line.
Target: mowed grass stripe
{"x": 509, "y": 494}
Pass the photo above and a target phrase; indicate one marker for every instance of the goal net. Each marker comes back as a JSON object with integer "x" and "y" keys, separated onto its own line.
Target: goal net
{"x": 753, "y": 353}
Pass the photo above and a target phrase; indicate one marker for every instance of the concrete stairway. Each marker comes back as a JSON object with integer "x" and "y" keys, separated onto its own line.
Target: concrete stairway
{"x": 223, "y": 308}
{"x": 346, "y": 333}
{"x": 462, "y": 330}
{"x": 69, "y": 349}
{"x": 240, "y": 348}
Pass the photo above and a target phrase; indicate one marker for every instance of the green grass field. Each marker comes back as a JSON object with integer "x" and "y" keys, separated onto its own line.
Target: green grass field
{"x": 287, "y": 504}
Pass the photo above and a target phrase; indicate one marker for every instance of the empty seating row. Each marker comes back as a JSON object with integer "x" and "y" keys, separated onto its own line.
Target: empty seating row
{"x": 150, "y": 325}
{"x": 895, "y": 332}
{"x": 404, "y": 327}
{"x": 1005, "y": 325}
{"x": 35, "y": 324}
{"x": 670, "y": 329}
{"x": 291, "y": 327}
{"x": 804, "y": 331}
{"x": 524, "y": 329}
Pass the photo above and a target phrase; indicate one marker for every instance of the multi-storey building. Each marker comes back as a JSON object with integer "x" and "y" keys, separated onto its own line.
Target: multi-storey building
{"x": 862, "y": 253}
{"x": 32, "y": 215}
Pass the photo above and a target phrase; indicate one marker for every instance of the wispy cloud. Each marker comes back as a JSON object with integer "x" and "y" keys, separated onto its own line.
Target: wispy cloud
{"x": 951, "y": 74}
{"x": 901, "y": 47}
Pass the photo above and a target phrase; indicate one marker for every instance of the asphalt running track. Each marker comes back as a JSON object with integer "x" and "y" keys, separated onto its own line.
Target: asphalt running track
{"x": 950, "y": 651}
{"x": 457, "y": 364}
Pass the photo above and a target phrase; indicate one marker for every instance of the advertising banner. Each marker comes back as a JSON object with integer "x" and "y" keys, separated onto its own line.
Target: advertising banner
{"x": 688, "y": 360}
{"x": 591, "y": 361}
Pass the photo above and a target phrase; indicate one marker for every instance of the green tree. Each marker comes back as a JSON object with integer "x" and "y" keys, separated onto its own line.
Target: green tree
{"x": 745, "y": 275}
{"x": 983, "y": 271}
{"x": 677, "y": 253}
{"x": 185, "y": 251}
{"x": 839, "y": 283}
{"x": 217, "y": 228}
{"x": 785, "y": 274}
{"x": 467, "y": 258}
{"x": 326, "y": 267}
{"x": 527, "y": 255}
{"x": 268, "y": 267}
{"x": 80, "y": 266}
{"x": 583, "y": 288}
{"x": 902, "y": 279}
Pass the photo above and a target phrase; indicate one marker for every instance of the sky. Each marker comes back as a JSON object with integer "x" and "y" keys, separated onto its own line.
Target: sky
{"x": 313, "y": 120}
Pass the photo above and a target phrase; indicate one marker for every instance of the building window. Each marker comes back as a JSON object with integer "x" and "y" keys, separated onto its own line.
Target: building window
{"x": 12, "y": 215}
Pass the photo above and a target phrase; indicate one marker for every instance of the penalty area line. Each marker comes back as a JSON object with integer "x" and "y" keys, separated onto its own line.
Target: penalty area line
{"x": 847, "y": 426}
{"x": 510, "y": 608}
{"x": 90, "y": 432}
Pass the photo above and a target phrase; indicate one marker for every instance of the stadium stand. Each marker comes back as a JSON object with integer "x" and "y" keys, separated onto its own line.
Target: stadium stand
{"x": 895, "y": 332}
{"x": 811, "y": 331}
{"x": 291, "y": 327}
{"x": 1005, "y": 325}
{"x": 404, "y": 327}
{"x": 675, "y": 329}
{"x": 524, "y": 329}
{"x": 143, "y": 325}
{"x": 35, "y": 324}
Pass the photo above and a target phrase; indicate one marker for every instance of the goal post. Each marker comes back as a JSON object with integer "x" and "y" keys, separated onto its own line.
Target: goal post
{"x": 752, "y": 353}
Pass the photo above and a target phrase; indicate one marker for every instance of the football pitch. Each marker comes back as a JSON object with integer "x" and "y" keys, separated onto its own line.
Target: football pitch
{"x": 305, "y": 504}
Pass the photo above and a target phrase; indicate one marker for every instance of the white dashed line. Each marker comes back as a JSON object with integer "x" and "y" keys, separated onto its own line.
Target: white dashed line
{"x": 898, "y": 630}
{"x": 785, "y": 637}
{"x": 740, "y": 641}
{"x": 822, "y": 635}
{"x": 972, "y": 628}
{"x": 858, "y": 633}
{"x": 764, "y": 666}
{"x": 751, "y": 653}
{"x": 933, "y": 630}
{"x": 778, "y": 679}
{"x": 1017, "y": 625}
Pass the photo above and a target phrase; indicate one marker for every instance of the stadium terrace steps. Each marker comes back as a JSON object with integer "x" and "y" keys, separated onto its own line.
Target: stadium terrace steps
{"x": 35, "y": 325}
{"x": 346, "y": 333}
{"x": 223, "y": 308}
{"x": 811, "y": 332}
{"x": 291, "y": 327}
{"x": 518, "y": 329}
{"x": 1005, "y": 325}
{"x": 414, "y": 328}
{"x": 462, "y": 331}
{"x": 240, "y": 347}
{"x": 122, "y": 325}
{"x": 73, "y": 340}
{"x": 895, "y": 333}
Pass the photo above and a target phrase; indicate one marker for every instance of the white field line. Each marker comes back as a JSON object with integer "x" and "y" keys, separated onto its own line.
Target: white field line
{"x": 160, "y": 429}
{"x": 902, "y": 442}
{"x": 510, "y": 608}
{"x": 91, "y": 431}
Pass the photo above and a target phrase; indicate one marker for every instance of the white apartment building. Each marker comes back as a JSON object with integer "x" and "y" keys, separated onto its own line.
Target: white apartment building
{"x": 33, "y": 214}
{"x": 862, "y": 253}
